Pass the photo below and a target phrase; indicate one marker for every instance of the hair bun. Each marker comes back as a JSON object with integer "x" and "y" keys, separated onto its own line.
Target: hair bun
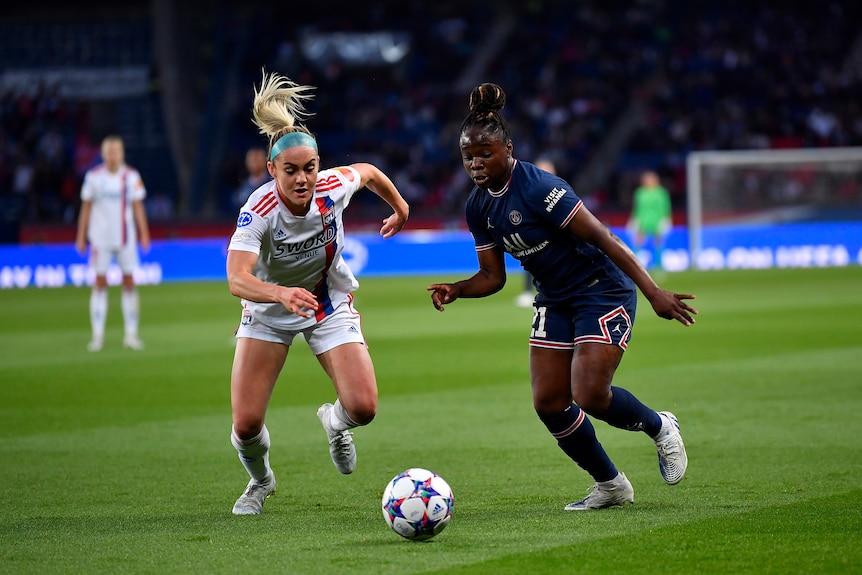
{"x": 487, "y": 97}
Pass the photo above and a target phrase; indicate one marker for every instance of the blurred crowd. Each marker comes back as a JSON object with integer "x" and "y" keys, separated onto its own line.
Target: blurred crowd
{"x": 41, "y": 159}
{"x": 716, "y": 75}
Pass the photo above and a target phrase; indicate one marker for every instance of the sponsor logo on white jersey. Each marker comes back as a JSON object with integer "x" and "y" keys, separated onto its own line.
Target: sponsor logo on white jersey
{"x": 324, "y": 238}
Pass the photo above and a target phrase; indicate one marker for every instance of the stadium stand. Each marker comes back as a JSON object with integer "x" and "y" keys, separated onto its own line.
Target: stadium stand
{"x": 605, "y": 88}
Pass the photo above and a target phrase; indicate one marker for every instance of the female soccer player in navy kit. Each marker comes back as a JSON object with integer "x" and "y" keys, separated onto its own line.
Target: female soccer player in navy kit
{"x": 586, "y": 280}
{"x": 284, "y": 261}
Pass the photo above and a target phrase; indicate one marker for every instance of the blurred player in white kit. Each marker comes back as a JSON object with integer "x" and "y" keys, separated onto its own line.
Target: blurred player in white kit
{"x": 113, "y": 220}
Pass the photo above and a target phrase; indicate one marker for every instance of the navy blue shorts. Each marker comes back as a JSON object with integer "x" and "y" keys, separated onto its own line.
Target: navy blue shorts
{"x": 597, "y": 316}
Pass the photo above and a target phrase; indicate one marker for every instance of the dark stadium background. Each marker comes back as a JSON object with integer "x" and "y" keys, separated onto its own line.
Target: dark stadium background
{"x": 605, "y": 88}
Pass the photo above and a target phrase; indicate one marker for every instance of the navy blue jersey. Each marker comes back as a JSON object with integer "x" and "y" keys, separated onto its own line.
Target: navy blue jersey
{"x": 527, "y": 219}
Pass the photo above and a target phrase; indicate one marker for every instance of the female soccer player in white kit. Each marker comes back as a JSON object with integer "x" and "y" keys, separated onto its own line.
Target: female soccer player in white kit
{"x": 284, "y": 261}
{"x": 113, "y": 218}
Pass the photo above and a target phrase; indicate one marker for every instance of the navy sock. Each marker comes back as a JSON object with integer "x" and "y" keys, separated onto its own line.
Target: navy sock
{"x": 577, "y": 438}
{"x": 627, "y": 412}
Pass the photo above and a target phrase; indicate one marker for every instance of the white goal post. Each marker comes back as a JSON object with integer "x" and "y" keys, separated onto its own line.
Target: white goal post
{"x": 770, "y": 187}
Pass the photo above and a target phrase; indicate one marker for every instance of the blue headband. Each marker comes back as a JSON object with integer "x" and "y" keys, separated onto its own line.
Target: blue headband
{"x": 290, "y": 140}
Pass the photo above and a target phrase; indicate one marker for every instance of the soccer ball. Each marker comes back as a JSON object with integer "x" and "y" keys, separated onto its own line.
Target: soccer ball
{"x": 417, "y": 504}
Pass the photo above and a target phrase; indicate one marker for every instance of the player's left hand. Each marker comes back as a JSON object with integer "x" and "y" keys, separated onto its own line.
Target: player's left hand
{"x": 669, "y": 305}
{"x": 392, "y": 225}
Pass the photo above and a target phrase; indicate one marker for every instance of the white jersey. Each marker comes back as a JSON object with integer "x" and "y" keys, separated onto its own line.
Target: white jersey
{"x": 299, "y": 251}
{"x": 112, "y": 221}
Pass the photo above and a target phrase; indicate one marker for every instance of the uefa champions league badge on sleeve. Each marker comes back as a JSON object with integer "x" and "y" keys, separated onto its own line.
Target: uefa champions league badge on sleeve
{"x": 243, "y": 220}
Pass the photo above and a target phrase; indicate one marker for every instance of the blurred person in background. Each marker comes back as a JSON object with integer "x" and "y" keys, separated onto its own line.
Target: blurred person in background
{"x": 650, "y": 219}
{"x": 257, "y": 175}
{"x": 584, "y": 310}
{"x": 113, "y": 219}
{"x": 284, "y": 262}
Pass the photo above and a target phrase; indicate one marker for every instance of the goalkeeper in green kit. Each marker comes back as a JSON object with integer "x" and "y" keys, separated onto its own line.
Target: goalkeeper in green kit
{"x": 650, "y": 219}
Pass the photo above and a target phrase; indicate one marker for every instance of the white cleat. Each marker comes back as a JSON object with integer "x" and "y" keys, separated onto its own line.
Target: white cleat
{"x": 132, "y": 342}
{"x": 672, "y": 459}
{"x": 95, "y": 344}
{"x": 616, "y": 492}
{"x": 341, "y": 447}
{"x": 251, "y": 500}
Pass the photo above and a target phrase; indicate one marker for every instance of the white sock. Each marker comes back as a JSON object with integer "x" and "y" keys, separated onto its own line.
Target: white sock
{"x": 338, "y": 418}
{"x": 664, "y": 429}
{"x": 130, "y": 311}
{"x": 253, "y": 453}
{"x": 98, "y": 312}
{"x": 611, "y": 482}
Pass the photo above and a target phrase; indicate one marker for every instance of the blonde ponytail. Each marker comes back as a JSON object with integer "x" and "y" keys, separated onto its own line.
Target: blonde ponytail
{"x": 278, "y": 106}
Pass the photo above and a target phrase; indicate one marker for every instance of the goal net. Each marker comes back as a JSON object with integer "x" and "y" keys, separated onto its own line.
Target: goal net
{"x": 730, "y": 191}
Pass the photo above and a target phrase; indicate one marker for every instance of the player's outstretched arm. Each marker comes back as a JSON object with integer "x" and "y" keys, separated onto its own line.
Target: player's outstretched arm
{"x": 375, "y": 180}
{"x": 490, "y": 279}
{"x": 666, "y": 304}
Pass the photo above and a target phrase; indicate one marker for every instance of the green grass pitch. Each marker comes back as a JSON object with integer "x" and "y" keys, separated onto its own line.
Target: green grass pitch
{"x": 120, "y": 461}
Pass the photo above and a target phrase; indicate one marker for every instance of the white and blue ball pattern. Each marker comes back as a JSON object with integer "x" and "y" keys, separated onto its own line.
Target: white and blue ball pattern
{"x": 417, "y": 504}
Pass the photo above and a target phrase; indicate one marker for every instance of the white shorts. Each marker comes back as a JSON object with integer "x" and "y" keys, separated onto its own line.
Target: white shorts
{"x": 342, "y": 326}
{"x": 126, "y": 256}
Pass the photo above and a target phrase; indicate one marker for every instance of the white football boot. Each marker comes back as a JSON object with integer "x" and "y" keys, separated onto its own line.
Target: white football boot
{"x": 603, "y": 494}
{"x": 341, "y": 447}
{"x": 672, "y": 459}
{"x": 251, "y": 500}
{"x": 132, "y": 342}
